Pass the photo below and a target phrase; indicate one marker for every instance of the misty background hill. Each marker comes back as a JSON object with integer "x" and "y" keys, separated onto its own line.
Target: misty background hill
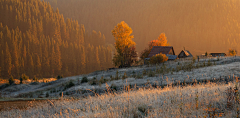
{"x": 197, "y": 25}
{"x": 38, "y": 41}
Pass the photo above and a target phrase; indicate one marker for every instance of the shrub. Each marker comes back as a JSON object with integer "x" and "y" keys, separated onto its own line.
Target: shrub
{"x": 66, "y": 93}
{"x": 93, "y": 81}
{"x": 144, "y": 109}
{"x": 158, "y": 58}
{"x": 47, "y": 95}
{"x": 69, "y": 85}
{"x": 102, "y": 80}
{"x": 134, "y": 74}
{"x": 209, "y": 63}
{"x": 197, "y": 66}
{"x": 35, "y": 79}
{"x": 144, "y": 72}
{"x": 111, "y": 77}
{"x": 139, "y": 76}
{"x": 232, "y": 52}
{"x": 113, "y": 86}
{"x": 23, "y": 77}
{"x": 193, "y": 60}
{"x": 151, "y": 74}
{"x": 11, "y": 80}
{"x": 59, "y": 77}
{"x": 124, "y": 76}
{"x": 206, "y": 54}
{"x": 178, "y": 68}
{"x": 84, "y": 80}
{"x": 117, "y": 76}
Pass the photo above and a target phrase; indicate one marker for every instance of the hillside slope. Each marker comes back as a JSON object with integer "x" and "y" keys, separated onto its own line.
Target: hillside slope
{"x": 225, "y": 69}
{"x": 38, "y": 41}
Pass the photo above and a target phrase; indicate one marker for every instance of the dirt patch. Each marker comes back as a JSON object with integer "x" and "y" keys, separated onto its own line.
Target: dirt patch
{"x": 19, "y": 104}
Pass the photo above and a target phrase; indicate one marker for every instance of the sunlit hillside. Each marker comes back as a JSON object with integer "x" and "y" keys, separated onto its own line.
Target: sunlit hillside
{"x": 197, "y": 25}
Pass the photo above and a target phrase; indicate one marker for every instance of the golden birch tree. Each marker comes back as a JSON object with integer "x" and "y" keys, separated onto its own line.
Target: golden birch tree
{"x": 123, "y": 44}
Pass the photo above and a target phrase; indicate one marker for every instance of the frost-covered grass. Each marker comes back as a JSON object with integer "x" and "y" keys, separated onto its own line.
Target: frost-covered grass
{"x": 203, "y": 100}
{"x": 170, "y": 72}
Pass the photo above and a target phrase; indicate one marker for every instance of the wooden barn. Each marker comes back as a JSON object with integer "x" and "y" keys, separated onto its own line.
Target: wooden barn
{"x": 167, "y": 50}
{"x": 184, "y": 54}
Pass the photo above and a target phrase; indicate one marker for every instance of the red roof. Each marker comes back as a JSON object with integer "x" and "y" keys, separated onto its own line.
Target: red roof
{"x": 160, "y": 49}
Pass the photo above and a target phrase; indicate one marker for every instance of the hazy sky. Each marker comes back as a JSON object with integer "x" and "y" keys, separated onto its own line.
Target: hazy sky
{"x": 197, "y": 25}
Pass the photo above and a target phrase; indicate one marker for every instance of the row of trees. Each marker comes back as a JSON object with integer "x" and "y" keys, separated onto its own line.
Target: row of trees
{"x": 36, "y": 40}
{"x": 126, "y": 54}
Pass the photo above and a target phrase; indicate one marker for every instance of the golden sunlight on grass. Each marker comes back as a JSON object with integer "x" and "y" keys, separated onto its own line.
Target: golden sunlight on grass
{"x": 206, "y": 100}
{"x": 17, "y": 81}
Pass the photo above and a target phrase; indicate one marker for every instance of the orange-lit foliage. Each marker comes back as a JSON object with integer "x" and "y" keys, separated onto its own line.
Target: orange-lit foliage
{"x": 145, "y": 53}
{"x": 124, "y": 45}
{"x": 153, "y": 43}
{"x": 158, "y": 58}
{"x": 38, "y": 41}
{"x": 232, "y": 52}
{"x": 161, "y": 41}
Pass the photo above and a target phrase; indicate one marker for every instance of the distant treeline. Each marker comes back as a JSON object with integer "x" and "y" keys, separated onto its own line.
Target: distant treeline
{"x": 36, "y": 40}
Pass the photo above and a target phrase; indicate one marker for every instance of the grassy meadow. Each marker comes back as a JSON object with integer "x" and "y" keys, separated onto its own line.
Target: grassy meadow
{"x": 199, "y": 100}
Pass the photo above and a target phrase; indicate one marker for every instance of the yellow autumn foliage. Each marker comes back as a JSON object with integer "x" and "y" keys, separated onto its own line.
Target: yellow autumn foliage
{"x": 125, "y": 47}
{"x": 232, "y": 52}
{"x": 158, "y": 58}
{"x": 122, "y": 34}
{"x": 162, "y": 40}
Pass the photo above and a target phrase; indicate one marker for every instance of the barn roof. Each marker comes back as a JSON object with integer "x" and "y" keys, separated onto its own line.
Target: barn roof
{"x": 160, "y": 49}
{"x": 187, "y": 53}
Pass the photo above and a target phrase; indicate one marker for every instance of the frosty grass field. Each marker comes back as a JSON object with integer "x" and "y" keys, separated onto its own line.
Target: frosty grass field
{"x": 211, "y": 99}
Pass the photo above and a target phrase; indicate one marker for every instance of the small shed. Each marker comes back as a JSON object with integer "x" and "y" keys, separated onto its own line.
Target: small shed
{"x": 184, "y": 54}
{"x": 167, "y": 50}
{"x": 218, "y": 54}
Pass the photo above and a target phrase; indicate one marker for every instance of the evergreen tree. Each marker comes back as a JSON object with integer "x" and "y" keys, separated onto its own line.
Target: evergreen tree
{"x": 38, "y": 66}
{"x": 8, "y": 61}
{"x": 16, "y": 60}
{"x": 31, "y": 70}
{"x": 2, "y": 63}
{"x": 37, "y": 41}
{"x": 58, "y": 60}
{"x": 46, "y": 63}
{"x": 97, "y": 66}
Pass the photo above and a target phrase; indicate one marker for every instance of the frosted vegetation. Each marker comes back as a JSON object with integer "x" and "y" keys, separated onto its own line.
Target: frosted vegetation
{"x": 170, "y": 72}
{"x": 202, "y": 100}
{"x": 178, "y": 89}
{"x": 173, "y": 72}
